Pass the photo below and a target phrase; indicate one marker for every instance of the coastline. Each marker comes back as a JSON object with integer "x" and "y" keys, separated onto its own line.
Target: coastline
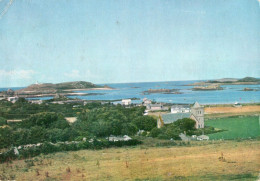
{"x": 89, "y": 89}
{"x": 219, "y": 84}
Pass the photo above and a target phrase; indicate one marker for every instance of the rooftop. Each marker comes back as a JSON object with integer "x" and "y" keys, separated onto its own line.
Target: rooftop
{"x": 170, "y": 118}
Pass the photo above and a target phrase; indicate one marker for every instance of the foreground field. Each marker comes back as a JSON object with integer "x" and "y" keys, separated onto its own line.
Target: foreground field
{"x": 198, "y": 161}
{"x": 237, "y": 127}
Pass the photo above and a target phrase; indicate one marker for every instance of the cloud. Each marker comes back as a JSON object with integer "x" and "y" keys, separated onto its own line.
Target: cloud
{"x": 16, "y": 74}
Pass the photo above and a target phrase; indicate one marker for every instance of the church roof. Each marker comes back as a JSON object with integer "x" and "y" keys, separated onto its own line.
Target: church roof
{"x": 170, "y": 118}
{"x": 196, "y": 105}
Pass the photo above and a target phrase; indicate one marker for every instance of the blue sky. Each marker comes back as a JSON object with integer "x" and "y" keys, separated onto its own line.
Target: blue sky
{"x": 111, "y": 41}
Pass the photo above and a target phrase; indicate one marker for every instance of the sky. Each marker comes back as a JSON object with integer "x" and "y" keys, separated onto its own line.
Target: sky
{"x": 116, "y": 41}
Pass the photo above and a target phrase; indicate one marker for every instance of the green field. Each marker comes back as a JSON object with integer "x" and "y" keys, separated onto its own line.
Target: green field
{"x": 239, "y": 127}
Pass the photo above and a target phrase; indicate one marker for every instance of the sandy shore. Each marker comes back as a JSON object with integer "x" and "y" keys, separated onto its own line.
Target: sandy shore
{"x": 105, "y": 88}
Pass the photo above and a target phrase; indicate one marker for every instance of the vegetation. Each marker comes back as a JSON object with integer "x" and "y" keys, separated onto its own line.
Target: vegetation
{"x": 236, "y": 127}
{"x": 23, "y": 109}
{"x": 46, "y": 148}
{"x": 193, "y": 162}
{"x": 48, "y": 87}
{"x": 173, "y": 130}
{"x": 3, "y": 121}
{"x": 249, "y": 79}
{"x": 94, "y": 121}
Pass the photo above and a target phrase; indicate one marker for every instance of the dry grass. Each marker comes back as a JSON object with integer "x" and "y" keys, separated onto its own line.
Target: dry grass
{"x": 219, "y": 112}
{"x": 243, "y": 109}
{"x": 196, "y": 162}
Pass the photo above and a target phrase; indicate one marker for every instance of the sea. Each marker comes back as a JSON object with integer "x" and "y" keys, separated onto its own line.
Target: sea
{"x": 229, "y": 95}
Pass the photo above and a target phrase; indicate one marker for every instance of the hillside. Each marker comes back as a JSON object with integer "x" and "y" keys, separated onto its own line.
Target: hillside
{"x": 249, "y": 79}
{"x": 228, "y": 81}
{"x": 49, "y": 88}
{"x": 232, "y": 80}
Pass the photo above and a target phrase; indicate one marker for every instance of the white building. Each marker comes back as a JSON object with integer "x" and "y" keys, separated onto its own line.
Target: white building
{"x": 155, "y": 107}
{"x": 196, "y": 113}
{"x": 12, "y": 99}
{"x": 36, "y": 101}
{"x": 180, "y": 109}
{"x": 146, "y": 101}
{"x": 126, "y": 102}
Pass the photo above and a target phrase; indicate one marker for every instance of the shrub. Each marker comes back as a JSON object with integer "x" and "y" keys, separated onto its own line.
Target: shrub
{"x": 3, "y": 121}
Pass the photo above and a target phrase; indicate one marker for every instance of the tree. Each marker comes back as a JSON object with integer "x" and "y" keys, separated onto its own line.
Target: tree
{"x": 3, "y": 121}
{"x": 128, "y": 129}
{"x": 6, "y": 137}
{"x": 173, "y": 131}
{"x": 155, "y": 132}
{"x": 42, "y": 119}
{"x": 146, "y": 123}
{"x": 185, "y": 124}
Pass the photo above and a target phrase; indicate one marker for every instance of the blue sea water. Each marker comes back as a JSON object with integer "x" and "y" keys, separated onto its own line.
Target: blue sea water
{"x": 230, "y": 94}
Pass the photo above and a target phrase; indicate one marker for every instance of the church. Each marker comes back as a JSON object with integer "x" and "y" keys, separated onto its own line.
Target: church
{"x": 196, "y": 113}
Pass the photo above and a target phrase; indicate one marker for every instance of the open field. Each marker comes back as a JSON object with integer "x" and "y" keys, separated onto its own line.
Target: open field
{"x": 194, "y": 162}
{"x": 218, "y": 111}
{"x": 243, "y": 109}
{"x": 226, "y": 111}
{"x": 237, "y": 127}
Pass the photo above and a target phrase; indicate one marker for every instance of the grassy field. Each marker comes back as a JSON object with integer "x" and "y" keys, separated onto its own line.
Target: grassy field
{"x": 198, "y": 161}
{"x": 239, "y": 127}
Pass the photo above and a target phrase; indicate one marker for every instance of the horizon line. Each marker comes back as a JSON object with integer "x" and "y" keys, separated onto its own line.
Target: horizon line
{"x": 126, "y": 82}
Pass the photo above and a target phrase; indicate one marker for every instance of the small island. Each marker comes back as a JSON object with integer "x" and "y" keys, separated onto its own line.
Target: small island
{"x": 228, "y": 81}
{"x": 249, "y": 89}
{"x": 207, "y": 88}
{"x": 163, "y": 91}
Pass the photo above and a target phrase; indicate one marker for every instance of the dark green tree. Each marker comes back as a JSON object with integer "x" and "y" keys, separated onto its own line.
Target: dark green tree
{"x": 185, "y": 124}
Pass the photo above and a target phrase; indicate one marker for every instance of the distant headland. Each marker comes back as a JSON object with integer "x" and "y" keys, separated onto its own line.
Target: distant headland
{"x": 216, "y": 84}
{"x": 49, "y": 89}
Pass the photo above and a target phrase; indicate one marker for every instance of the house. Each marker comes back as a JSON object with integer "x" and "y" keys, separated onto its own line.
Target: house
{"x": 156, "y": 107}
{"x": 180, "y": 109}
{"x": 197, "y": 114}
{"x": 126, "y": 102}
{"x": 35, "y": 101}
{"x": 237, "y": 104}
{"x": 12, "y": 99}
{"x": 146, "y": 101}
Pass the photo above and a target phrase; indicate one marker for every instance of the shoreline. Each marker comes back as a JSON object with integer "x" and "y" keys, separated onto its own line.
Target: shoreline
{"x": 220, "y": 83}
{"x": 89, "y": 89}
{"x": 62, "y": 94}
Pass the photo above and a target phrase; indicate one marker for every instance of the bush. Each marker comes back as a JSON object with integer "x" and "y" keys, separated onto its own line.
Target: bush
{"x": 45, "y": 120}
{"x": 167, "y": 143}
{"x": 3, "y": 121}
{"x": 155, "y": 132}
{"x": 47, "y": 148}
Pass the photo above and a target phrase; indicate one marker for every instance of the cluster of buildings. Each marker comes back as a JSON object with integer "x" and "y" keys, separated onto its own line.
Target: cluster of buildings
{"x": 195, "y": 112}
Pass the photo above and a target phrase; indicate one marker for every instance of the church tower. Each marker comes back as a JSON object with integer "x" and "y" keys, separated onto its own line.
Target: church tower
{"x": 197, "y": 114}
